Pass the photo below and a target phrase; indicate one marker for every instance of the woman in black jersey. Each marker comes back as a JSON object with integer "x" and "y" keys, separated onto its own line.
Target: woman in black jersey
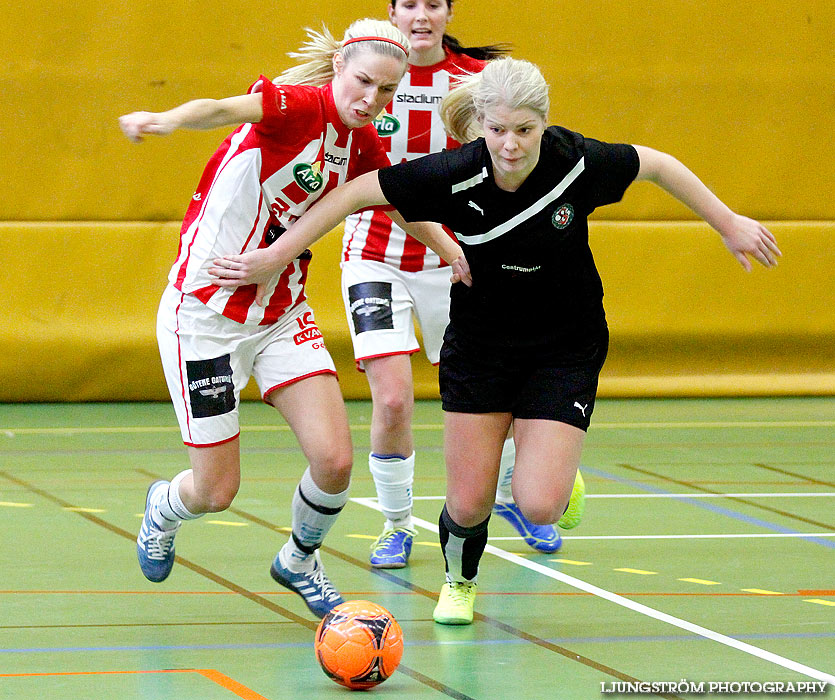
{"x": 526, "y": 341}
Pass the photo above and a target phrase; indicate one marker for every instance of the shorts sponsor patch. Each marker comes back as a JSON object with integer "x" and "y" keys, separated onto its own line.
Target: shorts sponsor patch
{"x": 210, "y": 388}
{"x": 307, "y": 335}
{"x": 371, "y": 306}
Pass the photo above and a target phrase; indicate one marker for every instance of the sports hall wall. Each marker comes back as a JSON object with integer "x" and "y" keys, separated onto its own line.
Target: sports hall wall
{"x": 741, "y": 93}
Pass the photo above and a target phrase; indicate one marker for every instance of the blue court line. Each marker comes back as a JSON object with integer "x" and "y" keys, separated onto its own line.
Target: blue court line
{"x": 663, "y": 639}
{"x": 160, "y": 647}
{"x": 708, "y": 506}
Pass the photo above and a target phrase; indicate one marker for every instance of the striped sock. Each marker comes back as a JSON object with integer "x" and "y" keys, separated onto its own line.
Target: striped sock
{"x": 314, "y": 513}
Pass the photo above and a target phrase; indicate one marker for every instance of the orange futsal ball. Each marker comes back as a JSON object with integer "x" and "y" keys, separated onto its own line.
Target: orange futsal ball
{"x": 358, "y": 644}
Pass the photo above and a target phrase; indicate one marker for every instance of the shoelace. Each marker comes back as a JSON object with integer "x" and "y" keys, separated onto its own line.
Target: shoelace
{"x": 389, "y": 535}
{"x": 385, "y": 538}
{"x": 158, "y": 544}
{"x": 319, "y": 579}
{"x": 459, "y": 592}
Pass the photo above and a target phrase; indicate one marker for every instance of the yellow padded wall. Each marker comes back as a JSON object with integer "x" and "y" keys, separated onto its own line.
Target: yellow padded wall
{"x": 78, "y": 312}
{"x": 741, "y": 93}
{"x": 78, "y": 305}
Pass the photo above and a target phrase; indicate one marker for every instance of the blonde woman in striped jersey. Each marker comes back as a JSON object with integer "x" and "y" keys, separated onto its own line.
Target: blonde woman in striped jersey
{"x": 302, "y": 135}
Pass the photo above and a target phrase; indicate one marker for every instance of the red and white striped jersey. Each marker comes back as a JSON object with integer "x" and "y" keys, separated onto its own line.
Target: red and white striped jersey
{"x": 262, "y": 178}
{"x": 410, "y": 128}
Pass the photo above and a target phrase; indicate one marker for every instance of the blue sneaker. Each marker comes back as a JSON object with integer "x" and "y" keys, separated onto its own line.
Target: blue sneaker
{"x": 543, "y": 538}
{"x": 313, "y": 586}
{"x": 155, "y": 547}
{"x": 391, "y": 550}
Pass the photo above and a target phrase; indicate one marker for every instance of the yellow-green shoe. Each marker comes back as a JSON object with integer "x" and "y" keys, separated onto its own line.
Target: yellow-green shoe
{"x": 576, "y": 504}
{"x": 456, "y": 603}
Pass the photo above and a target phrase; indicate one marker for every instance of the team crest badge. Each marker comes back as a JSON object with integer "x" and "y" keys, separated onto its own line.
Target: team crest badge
{"x": 563, "y": 216}
{"x": 308, "y": 176}
{"x": 386, "y": 125}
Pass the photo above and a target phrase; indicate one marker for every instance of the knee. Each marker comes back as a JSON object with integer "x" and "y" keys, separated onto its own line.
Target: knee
{"x": 469, "y": 514}
{"x": 218, "y": 497}
{"x": 335, "y": 461}
{"x": 393, "y": 406}
{"x": 541, "y": 511}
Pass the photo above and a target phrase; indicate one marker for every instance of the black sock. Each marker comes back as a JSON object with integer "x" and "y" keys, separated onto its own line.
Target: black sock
{"x": 462, "y": 547}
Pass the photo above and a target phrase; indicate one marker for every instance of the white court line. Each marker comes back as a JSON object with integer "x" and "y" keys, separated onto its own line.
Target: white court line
{"x": 632, "y": 605}
{"x": 686, "y": 537}
{"x": 817, "y": 494}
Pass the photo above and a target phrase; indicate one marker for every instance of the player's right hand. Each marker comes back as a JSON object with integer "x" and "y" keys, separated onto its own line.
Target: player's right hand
{"x": 138, "y": 124}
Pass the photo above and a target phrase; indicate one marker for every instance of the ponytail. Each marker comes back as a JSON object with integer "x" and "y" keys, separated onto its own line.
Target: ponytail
{"x": 458, "y": 111}
{"x": 482, "y": 53}
{"x": 315, "y": 56}
{"x": 505, "y": 81}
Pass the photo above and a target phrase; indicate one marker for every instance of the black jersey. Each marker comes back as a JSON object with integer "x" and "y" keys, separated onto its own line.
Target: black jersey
{"x": 534, "y": 277}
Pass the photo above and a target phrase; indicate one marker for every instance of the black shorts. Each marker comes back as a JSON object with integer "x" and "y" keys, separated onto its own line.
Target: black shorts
{"x": 542, "y": 382}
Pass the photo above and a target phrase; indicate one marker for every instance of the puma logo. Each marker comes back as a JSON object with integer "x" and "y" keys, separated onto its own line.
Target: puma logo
{"x": 582, "y": 408}
{"x": 476, "y": 207}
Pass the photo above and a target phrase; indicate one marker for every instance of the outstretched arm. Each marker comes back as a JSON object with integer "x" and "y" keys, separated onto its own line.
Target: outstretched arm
{"x": 741, "y": 235}
{"x": 434, "y": 238}
{"x": 258, "y": 266}
{"x": 197, "y": 114}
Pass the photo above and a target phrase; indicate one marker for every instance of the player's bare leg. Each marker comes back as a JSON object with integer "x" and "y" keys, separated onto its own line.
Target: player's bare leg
{"x": 542, "y": 538}
{"x": 392, "y": 457}
{"x": 315, "y": 412}
{"x": 208, "y": 487}
{"x": 472, "y": 448}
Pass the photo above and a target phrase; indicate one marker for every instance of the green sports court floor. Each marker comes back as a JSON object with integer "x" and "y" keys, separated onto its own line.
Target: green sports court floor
{"x": 707, "y": 554}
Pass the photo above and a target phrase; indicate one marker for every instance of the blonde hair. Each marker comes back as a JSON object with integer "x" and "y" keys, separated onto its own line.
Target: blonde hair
{"x": 316, "y": 55}
{"x": 509, "y": 82}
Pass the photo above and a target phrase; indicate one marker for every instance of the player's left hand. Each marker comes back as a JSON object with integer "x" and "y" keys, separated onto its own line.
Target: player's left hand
{"x": 746, "y": 237}
{"x": 461, "y": 271}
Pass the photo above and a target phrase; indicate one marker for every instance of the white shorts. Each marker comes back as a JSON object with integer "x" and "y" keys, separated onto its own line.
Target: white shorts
{"x": 208, "y": 359}
{"x": 383, "y": 302}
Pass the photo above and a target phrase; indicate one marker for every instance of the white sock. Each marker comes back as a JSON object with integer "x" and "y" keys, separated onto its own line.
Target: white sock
{"x": 393, "y": 478}
{"x": 168, "y": 510}
{"x": 314, "y": 513}
{"x": 506, "y": 464}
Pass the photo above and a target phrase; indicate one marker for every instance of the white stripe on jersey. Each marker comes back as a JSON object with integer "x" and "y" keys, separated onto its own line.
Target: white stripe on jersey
{"x": 237, "y": 201}
{"x": 256, "y": 313}
{"x": 471, "y": 182}
{"x": 357, "y": 233}
{"x": 284, "y": 176}
{"x": 427, "y": 100}
{"x": 535, "y": 208}
{"x": 357, "y": 237}
{"x": 233, "y": 198}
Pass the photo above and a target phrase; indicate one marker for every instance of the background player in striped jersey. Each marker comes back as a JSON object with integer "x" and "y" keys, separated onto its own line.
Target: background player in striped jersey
{"x": 302, "y": 135}
{"x": 526, "y": 342}
{"x": 389, "y": 279}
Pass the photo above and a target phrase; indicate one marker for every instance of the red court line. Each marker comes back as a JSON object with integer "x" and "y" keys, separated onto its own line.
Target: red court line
{"x": 232, "y": 685}
{"x": 215, "y": 676}
{"x": 360, "y": 594}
